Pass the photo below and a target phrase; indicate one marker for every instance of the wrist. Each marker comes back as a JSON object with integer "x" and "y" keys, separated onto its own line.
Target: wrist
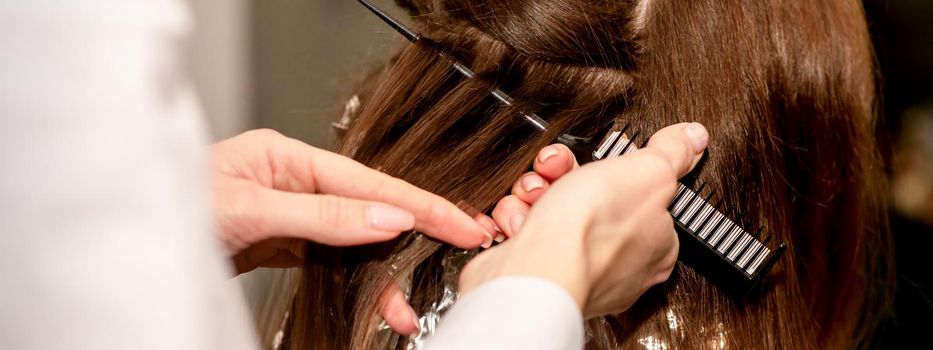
{"x": 557, "y": 255}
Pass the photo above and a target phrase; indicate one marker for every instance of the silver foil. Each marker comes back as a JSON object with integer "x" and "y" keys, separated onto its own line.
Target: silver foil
{"x": 427, "y": 323}
{"x": 714, "y": 336}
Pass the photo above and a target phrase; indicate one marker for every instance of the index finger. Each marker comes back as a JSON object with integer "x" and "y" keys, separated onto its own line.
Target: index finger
{"x": 434, "y": 215}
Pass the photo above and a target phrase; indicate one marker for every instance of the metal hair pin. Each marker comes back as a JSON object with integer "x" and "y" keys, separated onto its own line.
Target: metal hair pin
{"x": 712, "y": 243}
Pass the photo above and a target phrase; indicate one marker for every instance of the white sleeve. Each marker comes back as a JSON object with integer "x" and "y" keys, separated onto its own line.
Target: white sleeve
{"x": 511, "y": 313}
{"x": 105, "y": 232}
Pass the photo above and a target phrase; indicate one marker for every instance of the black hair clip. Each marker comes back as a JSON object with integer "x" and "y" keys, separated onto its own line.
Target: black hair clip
{"x": 711, "y": 242}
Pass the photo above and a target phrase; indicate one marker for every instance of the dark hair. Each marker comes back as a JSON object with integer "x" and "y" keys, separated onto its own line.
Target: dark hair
{"x": 785, "y": 87}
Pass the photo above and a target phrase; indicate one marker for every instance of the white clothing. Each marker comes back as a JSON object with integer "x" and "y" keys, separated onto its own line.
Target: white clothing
{"x": 104, "y": 217}
{"x": 511, "y": 313}
{"x": 103, "y": 193}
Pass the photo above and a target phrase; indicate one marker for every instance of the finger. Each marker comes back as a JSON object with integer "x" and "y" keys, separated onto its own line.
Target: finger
{"x": 554, "y": 161}
{"x": 510, "y": 210}
{"x": 516, "y": 222}
{"x": 395, "y": 311}
{"x": 490, "y": 226}
{"x": 529, "y": 187}
{"x": 681, "y": 145}
{"x": 434, "y": 215}
{"x": 325, "y": 219}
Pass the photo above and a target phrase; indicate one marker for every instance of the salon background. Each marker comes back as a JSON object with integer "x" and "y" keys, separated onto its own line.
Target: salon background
{"x": 291, "y": 65}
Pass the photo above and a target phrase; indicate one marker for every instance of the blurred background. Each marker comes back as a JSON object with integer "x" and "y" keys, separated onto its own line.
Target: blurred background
{"x": 902, "y": 32}
{"x": 288, "y": 65}
{"x": 291, "y": 65}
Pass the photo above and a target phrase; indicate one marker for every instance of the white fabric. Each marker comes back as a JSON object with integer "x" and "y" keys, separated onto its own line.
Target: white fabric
{"x": 104, "y": 225}
{"x": 511, "y": 313}
{"x": 105, "y": 239}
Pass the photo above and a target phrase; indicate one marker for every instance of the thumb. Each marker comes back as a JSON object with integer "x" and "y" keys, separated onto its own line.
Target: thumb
{"x": 329, "y": 219}
{"x": 394, "y": 309}
{"x": 681, "y": 145}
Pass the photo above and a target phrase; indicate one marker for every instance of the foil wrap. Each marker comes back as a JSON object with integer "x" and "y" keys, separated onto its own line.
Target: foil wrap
{"x": 427, "y": 323}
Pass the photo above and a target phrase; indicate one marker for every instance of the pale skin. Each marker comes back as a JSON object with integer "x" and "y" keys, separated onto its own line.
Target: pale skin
{"x": 270, "y": 190}
{"x": 584, "y": 232}
{"x": 601, "y": 231}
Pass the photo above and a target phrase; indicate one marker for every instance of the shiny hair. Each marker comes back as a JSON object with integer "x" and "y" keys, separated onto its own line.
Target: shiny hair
{"x": 786, "y": 88}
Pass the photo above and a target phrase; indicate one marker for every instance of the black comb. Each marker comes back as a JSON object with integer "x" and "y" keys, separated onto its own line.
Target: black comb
{"x": 714, "y": 244}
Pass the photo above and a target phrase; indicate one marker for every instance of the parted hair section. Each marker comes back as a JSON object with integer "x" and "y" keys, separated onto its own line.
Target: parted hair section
{"x": 785, "y": 87}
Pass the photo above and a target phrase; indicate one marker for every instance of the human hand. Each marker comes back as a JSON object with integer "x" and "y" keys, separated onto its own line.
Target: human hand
{"x": 269, "y": 190}
{"x": 602, "y": 231}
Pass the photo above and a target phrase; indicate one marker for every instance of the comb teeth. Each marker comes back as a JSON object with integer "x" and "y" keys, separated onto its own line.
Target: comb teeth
{"x": 718, "y": 242}
{"x": 722, "y": 244}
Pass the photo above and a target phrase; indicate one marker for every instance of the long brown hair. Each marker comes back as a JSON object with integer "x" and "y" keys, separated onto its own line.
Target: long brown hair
{"x": 785, "y": 87}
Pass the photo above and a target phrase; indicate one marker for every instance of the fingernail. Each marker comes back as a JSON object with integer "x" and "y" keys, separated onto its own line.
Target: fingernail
{"x": 485, "y": 222}
{"x": 488, "y": 242}
{"x": 416, "y": 320}
{"x": 489, "y": 239}
{"x": 500, "y": 237}
{"x": 547, "y": 152}
{"x": 515, "y": 222}
{"x": 387, "y": 218}
{"x": 532, "y": 182}
{"x": 698, "y": 135}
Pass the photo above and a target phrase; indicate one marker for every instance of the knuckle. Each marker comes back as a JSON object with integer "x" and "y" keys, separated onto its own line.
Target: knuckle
{"x": 262, "y": 133}
{"x": 438, "y": 214}
{"x": 332, "y": 212}
{"x": 501, "y": 207}
{"x": 241, "y": 206}
{"x": 669, "y": 263}
{"x": 663, "y": 275}
{"x": 379, "y": 187}
{"x": 510, "y": 203}
{"x": 269, "y": 132}
{"x": 670, "y": 249}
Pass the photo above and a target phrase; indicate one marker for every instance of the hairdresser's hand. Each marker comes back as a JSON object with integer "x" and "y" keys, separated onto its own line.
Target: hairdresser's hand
{"x": 602, "y": 232}
{"x": 270, "y": 191}
{"x": 551, "y": 163}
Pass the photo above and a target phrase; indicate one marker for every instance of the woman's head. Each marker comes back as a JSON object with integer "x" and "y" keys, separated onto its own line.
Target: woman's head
{"x": 785, "y": 87}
